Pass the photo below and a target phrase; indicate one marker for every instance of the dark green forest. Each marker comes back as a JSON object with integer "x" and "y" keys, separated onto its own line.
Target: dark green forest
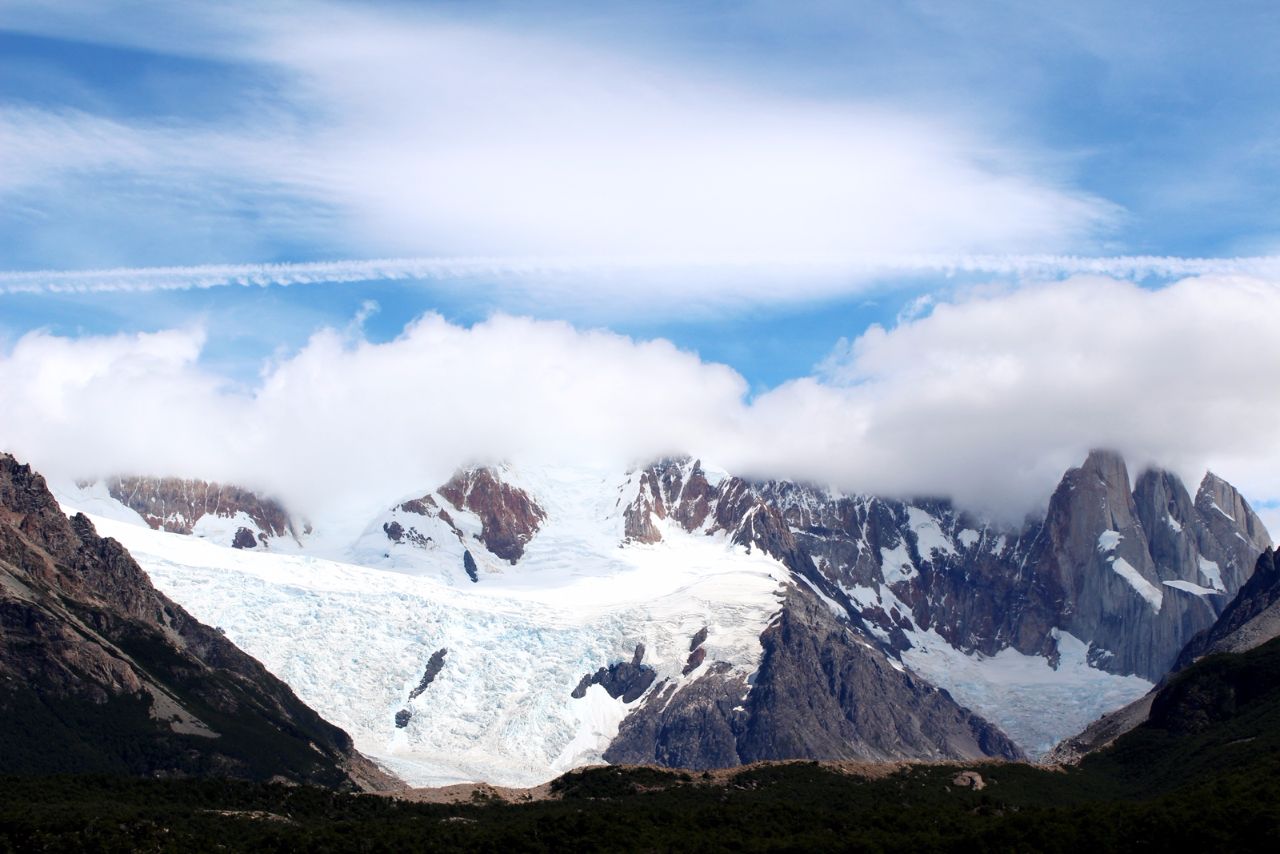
{"x": 1202, "y": 775}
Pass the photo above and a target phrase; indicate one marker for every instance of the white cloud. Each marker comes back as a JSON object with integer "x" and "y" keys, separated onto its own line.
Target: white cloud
{"x": 412, "y": 134}
{"x": 996, "y": 393}
{"x": 988, "y": 399}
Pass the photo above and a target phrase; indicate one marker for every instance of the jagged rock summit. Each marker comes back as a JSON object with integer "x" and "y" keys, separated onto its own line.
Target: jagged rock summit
{"x": 99, "y": 672}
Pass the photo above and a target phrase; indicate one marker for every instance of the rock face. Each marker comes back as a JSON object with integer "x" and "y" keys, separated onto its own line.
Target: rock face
{"x": 1134, "y": 572}
{"x": 1252, "y": 618}
{"x": 822, "y": 692}
{"x": 178, "y": 506}
{"x": 508, "y": 516}
{"x": 99, "y": 672}
{"x": 624, "y": 680}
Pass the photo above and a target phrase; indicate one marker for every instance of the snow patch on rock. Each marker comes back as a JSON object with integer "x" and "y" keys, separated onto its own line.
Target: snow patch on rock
{"x": 929, "y": 535}
{"x": 895, "y": 564}
{"x": 1141, "y": 585}
{"x": 1108, "y": 540}
{"x": 1212, "y": 573}
{"x": 1189, "y": 587}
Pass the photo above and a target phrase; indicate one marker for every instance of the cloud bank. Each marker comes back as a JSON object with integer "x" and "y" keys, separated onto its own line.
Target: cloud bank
{"x": 988, "y": 398}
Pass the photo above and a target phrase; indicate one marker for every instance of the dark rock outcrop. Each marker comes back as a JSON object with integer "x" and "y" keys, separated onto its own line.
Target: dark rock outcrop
{"x": 434, "y": 665}
{"x": 698, "y": 639}
{"x": 625, "y": 680}
{"x": 694, "y": 661}
{"x": 469, "y": 566}
{"x": 99, "y": 672}
{"x": 821, "y": 692}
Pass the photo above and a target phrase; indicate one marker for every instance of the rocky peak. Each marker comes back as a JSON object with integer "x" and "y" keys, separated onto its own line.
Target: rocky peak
{"x": 1225, "y": 509}
{"x": 509, "y": 517}
{"x": 1138, "y": 572}
{"x": 810, "y": 698}
{"x": 638, "y": 516}
{"x": 1108, "y": 467}
{"x": 675, "y": 488}
{"x": 178, "y": 505}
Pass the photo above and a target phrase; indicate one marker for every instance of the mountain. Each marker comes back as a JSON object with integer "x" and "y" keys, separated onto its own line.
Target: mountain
{"x": 99, "y": 672}
{"x": 821, "y": 692}
{"x": 1249, "y": 621}
{"x": 1133, "y": 573}
{"x": 514, "y": 623}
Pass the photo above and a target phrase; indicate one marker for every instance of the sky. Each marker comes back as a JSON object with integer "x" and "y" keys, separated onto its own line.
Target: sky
{"x": 909, "y": 247}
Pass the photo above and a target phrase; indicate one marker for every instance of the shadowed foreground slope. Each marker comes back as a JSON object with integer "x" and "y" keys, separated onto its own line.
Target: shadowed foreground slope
{"x": 99, "y": 672}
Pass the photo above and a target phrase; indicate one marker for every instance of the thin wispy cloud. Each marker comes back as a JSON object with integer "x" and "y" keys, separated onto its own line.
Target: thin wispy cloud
{"x": 850, "y": 272}
{"x": 394, "y": 132}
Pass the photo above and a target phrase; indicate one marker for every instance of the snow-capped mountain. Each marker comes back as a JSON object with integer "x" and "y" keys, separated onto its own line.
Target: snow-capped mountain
{"x": 514, "y": 623}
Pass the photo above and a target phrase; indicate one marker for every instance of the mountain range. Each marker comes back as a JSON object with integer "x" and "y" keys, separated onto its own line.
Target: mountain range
{"x": 514, "y": 623}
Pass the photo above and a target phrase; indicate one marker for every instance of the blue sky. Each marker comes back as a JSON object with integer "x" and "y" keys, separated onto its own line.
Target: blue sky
{"x": 1165, "y": 111}
{"x": 760, "y": 183}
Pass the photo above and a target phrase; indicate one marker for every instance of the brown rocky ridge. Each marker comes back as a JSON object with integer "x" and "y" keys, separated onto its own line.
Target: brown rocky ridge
{"x": 177, "y": 504}
{"x": 100, "y": 672}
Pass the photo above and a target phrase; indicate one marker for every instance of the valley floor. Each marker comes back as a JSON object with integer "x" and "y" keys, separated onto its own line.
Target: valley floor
{"x": 788, "y": 806}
